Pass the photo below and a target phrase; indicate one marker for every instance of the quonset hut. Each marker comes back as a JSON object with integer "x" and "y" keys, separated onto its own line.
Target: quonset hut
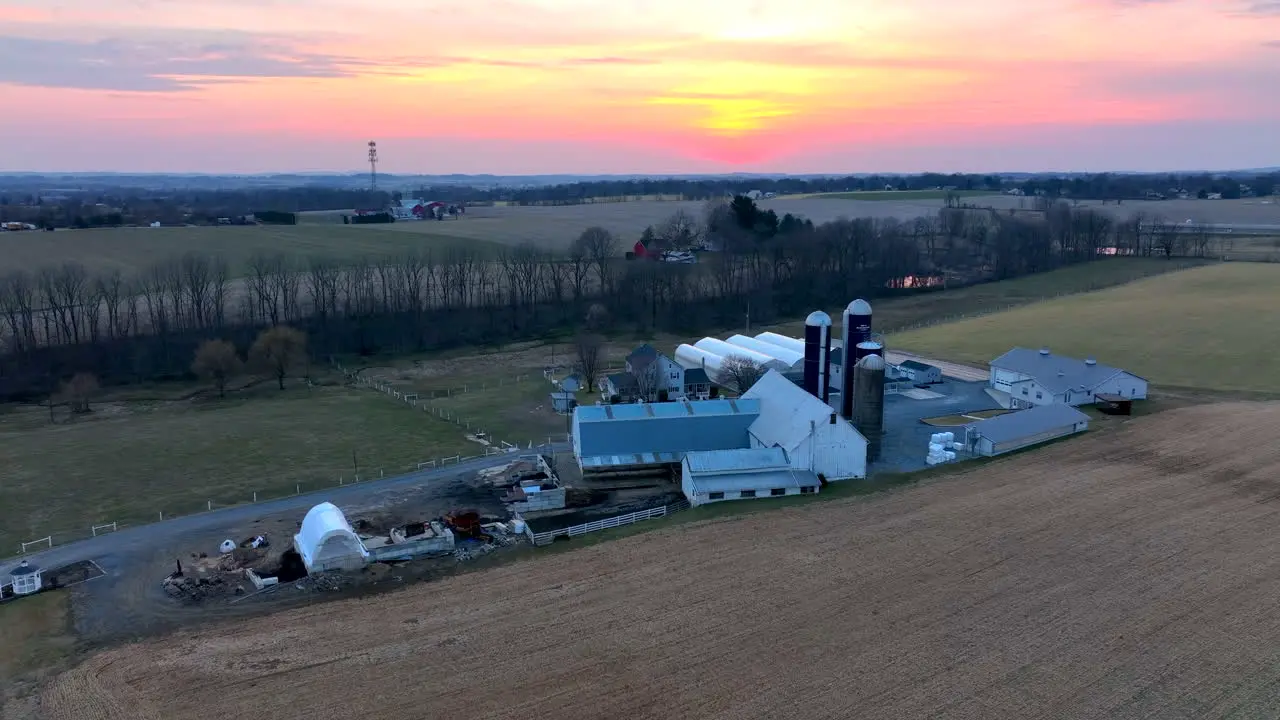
{"x": 326, "y": 541}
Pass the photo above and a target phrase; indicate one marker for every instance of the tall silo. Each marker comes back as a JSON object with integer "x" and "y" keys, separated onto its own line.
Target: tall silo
{"x": 817, "y": 355}
{"x": 857, "y": 329}
{"x": 868, "y": 406}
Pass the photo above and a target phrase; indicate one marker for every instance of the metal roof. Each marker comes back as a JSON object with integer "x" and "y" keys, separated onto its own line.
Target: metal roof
{"x": 623, "y": 381}
{"x": 791, "y": 411}
{"x": 1056, "y": 373}
{"x": 916, "y": 365}
{"x": 761, "y": 482}
{"x": 1025, "y": 423}
{"x": 653, "y": 433}
{"x": 678, "y": 408}
{"x": 713, "y": 462}
{"x": 24, "y": 569}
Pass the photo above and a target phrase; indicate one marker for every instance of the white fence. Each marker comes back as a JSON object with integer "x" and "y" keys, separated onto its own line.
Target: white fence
{"x": 546, "y": 538}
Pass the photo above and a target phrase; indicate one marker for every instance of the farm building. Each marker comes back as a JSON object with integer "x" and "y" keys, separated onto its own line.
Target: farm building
{"x": 918, "y": 373}
{"x": 326, "y": 541}
{"x": 1038, "y": 377}
{"x": 654, "y": 377}
{"x": 1014, "y": 431}
{"x": 626, "y": 437}
{"x": 707, "y": 477}
{"x": 811, "y": 432}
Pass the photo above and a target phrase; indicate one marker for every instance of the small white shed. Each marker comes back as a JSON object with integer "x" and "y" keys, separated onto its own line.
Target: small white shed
{"x": 25, "y": 578}
{"x": 327, "y": 542}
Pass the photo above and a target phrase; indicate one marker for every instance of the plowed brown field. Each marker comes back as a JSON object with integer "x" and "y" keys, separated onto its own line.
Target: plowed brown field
{"x": 1127, "y": 574}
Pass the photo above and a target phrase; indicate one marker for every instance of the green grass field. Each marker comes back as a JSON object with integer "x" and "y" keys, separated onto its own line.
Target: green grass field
{"x": 904, "y": 195}
{"x": 129, "y": 461}
{"x": 132, "y": 249}
{"x": 903, "y": 312}
{"x": 1211, "y": 328}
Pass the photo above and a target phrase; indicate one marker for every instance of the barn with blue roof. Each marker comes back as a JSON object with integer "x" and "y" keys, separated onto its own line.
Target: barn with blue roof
{"x": 612, "y": 438}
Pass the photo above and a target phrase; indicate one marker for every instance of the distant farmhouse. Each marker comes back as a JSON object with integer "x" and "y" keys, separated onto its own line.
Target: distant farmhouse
{"x": 1038, "y": 377}
{"x": 653, "y": 377}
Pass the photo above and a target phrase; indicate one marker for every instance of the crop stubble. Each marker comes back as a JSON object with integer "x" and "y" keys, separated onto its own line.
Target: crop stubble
{"x": 1121, "y": 575}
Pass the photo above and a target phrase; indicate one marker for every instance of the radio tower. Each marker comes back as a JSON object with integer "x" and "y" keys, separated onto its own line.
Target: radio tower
{"x": 373, "y": 164}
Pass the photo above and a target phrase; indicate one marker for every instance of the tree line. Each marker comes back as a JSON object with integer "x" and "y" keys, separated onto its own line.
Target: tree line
{"x": 121, "y": 328}
{"x": 132, "y": 206}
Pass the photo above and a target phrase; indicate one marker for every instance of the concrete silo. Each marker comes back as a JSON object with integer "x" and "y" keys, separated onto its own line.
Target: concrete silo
{"x": 817, "y": 355}
{"x": 857, "y": 329}
{"x": 868, "y": 405}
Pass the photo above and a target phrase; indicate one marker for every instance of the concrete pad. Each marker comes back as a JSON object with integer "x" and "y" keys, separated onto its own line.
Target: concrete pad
{"x": 921, "y": 394}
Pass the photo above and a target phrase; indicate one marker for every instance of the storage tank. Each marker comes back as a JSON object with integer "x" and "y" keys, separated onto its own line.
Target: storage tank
{"x": 725, "y": 351}
{"x": 690, "y": 357}
{"x": 817, "y": 355}
{"x": 868, "y": 406}
{"x": 782, "y": 341}
{"x": 857, "y": 328}
{"x": 790, "y": 357}
{"x": 867, "y": 347}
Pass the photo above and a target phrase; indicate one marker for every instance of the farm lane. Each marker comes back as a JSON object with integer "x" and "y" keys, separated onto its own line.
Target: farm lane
{"x": 134, "y": 542}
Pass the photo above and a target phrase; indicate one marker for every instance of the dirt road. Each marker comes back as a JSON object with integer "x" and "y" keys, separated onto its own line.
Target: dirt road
{"x": 1128, "y": 574}
{"x": 128, "y": 601}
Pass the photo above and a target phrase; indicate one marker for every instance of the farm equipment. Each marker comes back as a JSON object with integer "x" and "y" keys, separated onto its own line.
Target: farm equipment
{"x": 467, "y": 526}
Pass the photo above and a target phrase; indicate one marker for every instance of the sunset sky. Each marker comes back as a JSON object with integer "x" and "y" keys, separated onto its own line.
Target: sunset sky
{"x": 639, "y": 86}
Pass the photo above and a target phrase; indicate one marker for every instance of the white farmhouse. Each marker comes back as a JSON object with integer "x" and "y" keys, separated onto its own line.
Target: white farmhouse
{"x": 813, "y": 434}
{"x": 1038, "y": 377}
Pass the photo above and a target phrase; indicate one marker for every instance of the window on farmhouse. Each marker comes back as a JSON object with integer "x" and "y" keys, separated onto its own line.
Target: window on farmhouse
{"x": 1024, "y": 391}
{"x": 716, "y": 496}
{"x": 806, "y": 490}
{"x": 747, "y": 494}
{"x": 1039, "y": 396}
{"x": 778, "y": 491}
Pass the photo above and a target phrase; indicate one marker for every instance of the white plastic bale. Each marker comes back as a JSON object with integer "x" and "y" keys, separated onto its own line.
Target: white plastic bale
{"x": 950, "y": 455}
{"x": 948, "y": 437}
{"x": 957, "y": 446}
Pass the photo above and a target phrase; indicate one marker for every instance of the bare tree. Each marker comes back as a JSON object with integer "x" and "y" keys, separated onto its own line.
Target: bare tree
{"x": 79, "y": 391}
{"x": 647, "y": 380}
{"x": 679, "y": 231}
{"x": 277, "y": 351}
{"x": 217, "y": 360}
{"x": 738, "y": 373}
{"x": 588, "y": 349}
{"x": 600, "y": 247}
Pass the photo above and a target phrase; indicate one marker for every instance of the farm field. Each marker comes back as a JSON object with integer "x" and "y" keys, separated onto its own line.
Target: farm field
{"x": 898, "y": 313}
{"x": 557, "y": 226}
{"x": 1122, "y": 574}
{"x": 1206, "y": 328}
{"x": 132, "y": 249}
{"x": 901, "y": 195}
{"x": 130, "y": 460}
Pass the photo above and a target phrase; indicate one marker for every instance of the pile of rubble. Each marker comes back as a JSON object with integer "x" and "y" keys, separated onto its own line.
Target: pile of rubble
{"x": 330, "y": 582}
{"x": 463, "y": 554}
{"x": 197, "y": 589}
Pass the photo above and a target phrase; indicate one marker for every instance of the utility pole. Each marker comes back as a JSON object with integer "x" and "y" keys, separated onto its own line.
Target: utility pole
{"x": 748, "y": 317}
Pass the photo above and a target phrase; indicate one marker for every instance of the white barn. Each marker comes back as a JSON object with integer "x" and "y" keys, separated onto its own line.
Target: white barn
{"x": 720, "y": 475}
{"x": 326, "y": 541}
{"x": 1032, "y": 377}
{"x": 812, "y": 434}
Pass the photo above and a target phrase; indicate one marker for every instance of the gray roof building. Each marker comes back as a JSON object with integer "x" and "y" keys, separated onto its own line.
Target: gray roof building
{"x": 606, "y": 436}
{"x": 1015, "y": 430}
{"x": 1057, "y": 373}
{"x": 757, "y": 472}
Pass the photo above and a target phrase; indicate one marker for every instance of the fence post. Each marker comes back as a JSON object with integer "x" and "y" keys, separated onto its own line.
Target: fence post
{"x": 297, "y": 489}
{"x": 209, "y": 504}
{"x": 161, "y": 516}
{"x": 255, "y": 496}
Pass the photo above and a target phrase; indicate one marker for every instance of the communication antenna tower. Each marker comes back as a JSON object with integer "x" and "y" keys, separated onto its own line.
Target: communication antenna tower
{"x": 373, "y": 164}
